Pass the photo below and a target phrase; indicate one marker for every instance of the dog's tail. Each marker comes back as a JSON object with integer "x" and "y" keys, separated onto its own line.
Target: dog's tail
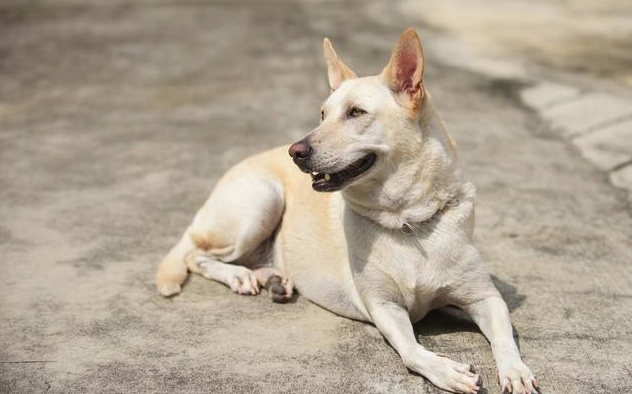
{"x": 172, "y": 271}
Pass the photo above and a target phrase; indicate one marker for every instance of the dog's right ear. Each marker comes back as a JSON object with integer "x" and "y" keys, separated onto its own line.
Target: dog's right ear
{"x": 404, "y": 72}
{"x": 337, "y": 71}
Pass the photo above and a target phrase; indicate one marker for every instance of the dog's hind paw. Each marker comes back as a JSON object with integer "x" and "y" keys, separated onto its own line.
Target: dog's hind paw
{"x": 243, "y": 282}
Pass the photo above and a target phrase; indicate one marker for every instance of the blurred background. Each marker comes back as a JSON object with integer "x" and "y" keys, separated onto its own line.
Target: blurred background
{"x": 117, "y": 117}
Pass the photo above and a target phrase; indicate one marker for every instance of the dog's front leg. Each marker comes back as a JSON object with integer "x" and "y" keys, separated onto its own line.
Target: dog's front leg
{"x": 492, "y": 317}
{"x": 394, "y": 323}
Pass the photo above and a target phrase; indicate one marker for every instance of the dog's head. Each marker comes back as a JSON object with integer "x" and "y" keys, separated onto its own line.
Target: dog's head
{"x": 364, "y": 121}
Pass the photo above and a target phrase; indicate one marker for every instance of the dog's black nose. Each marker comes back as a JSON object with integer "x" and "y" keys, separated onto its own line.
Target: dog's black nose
{"x": 300, "y": 150}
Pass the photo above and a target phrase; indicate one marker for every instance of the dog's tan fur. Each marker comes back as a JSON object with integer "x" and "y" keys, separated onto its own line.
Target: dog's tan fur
{"x": 392, "y": 245}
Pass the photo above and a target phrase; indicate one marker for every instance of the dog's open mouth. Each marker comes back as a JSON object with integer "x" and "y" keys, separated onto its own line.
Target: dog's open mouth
{"x": 322, "y": 182}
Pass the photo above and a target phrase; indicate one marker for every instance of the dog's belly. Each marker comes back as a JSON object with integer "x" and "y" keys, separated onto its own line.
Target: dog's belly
{"x": 313, "y": 247}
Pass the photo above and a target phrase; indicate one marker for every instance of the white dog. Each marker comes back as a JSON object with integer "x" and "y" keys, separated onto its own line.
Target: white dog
{"x": 391, "y": 241}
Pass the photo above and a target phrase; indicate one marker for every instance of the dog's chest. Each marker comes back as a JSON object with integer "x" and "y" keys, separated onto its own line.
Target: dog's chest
{"x": 416, "y": 269}
{"x": 421, "y": 269}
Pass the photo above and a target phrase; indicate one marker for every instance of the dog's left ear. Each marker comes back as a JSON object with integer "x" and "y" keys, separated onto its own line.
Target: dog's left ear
{"x": 404, "y": 71}
{"x": 337, "y": 71}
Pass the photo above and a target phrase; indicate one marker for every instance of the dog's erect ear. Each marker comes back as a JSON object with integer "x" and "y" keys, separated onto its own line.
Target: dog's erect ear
{"x": 404, "y": 71}
{"x": 337, "y": 71}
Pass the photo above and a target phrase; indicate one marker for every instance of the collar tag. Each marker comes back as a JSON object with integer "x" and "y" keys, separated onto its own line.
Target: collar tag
{"x": 408, "y": 230}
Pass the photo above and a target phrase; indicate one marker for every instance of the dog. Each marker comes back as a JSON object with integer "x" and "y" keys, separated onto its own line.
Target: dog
{"x": 382, "y": 232}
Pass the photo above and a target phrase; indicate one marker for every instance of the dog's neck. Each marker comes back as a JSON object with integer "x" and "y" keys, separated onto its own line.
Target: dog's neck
{"x": 416, "y": 184}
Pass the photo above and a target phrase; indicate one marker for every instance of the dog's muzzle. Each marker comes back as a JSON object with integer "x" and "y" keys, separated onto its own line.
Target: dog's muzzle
{"x": 302, "y": 153}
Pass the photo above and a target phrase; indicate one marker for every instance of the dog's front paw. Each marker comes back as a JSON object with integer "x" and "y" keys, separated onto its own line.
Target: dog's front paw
{"x": 456, "y": 377}
{"x": 280, "y": 288}
{"x": 447, "y": 374}
{"x": 516, "y": 378}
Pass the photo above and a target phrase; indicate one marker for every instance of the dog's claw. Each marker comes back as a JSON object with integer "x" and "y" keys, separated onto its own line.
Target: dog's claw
{"x": 519, "y": 385}
{"x": 452, "y": 375}
{"x": 515, "y": 377}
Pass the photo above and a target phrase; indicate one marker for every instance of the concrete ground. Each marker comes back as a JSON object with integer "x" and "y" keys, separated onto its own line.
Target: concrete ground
{"x": 116, "y": 119}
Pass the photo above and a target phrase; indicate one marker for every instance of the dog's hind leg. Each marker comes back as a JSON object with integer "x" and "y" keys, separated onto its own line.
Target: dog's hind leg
{"x": 238, "y": 218}
{"x": 242, "y": 280}
{"x": 238, "y": 278}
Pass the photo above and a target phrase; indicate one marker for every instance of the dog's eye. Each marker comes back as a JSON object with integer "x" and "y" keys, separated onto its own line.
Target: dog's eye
{"x": 322, "y": 115}
{"x": 355, "y": 112}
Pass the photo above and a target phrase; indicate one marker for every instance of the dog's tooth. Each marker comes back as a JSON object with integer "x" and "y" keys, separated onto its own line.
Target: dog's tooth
{"x": 327, "y": 177}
